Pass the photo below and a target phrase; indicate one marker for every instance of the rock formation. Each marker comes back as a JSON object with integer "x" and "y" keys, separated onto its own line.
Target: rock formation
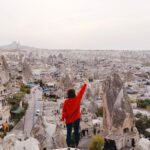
{"x": 17, "y": 142}
{"x": 59, "y": 138}
{"x": 129, "y": 76}
{"x": 39, "y": 132}
{"x": 93, "y": 106}
{"x": 4, "y": 71}
{"x": 26, "y": 71}
{"x": 118, "y": 119}
{"x": 50, "y": 136}
{"x": 66, "y": 82}
{"x": 118, "y": 113}
{"x": 143, "y": 144}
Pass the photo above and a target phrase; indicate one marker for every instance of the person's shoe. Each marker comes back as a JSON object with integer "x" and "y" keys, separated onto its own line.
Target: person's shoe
{"x": 68, "y": 148}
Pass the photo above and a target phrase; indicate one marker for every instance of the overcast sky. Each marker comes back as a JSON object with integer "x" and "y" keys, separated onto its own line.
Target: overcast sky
{"x": 82, "y": 24}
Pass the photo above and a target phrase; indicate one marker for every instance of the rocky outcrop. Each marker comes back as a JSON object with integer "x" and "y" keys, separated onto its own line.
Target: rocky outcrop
{"x": 18, "y": 142}
{"x": 26, "y": 71}
{"x": 143, "y": 144}
{"x": 129, "y": 76}
{"x": 4, "y": 71}
{"x": 49, "y": 135}
{"x": 66, "y": 82}
{"x": 118, "y": 119}
{"x": 59, "y": 138}
{"x": 118, "y": 114}
{"x": 39, "y": 132}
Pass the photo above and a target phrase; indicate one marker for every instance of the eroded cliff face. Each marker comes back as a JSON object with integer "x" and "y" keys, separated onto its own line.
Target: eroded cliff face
{"x": 66, "y": 82}
{"x": 118, "y": 114}
{"x": 50, "y": 136}
{"x": 26, "y": 70}
{"x": 38, "y": 131}
{"x": 4, "y": 71}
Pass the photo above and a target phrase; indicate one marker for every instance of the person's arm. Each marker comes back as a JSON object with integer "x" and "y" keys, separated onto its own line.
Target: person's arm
{"x": 81, "y": 92}
{"x": 63, "y": 113}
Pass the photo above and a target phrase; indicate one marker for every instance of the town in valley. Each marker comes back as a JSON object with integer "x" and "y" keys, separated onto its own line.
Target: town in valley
{"x": 33, "y": 85}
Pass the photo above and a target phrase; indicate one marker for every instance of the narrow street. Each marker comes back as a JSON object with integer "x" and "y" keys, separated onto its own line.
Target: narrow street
{"x": 34, "y": 104}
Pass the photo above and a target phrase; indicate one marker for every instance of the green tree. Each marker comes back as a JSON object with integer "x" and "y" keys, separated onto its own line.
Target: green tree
{"x": 25, "y": 89}
{"x": 16, "y": 98}
{"x": 143, "y": 103}
{"x": 97, "y": 143}
{"x": 142, "y": 123}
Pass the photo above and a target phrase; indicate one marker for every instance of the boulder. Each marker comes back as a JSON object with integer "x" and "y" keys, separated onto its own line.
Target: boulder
{"x": 143, "y": 144}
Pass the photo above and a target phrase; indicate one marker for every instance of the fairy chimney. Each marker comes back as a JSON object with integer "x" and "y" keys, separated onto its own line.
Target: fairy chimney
{"x": 118, "y": 114}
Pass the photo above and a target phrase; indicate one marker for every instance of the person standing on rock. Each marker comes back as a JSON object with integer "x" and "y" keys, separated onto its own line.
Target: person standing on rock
{"x": 71, "y": 113}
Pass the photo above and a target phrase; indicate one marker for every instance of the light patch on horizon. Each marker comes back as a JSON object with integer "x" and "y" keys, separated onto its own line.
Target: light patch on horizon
{"x": 81, "y": 24}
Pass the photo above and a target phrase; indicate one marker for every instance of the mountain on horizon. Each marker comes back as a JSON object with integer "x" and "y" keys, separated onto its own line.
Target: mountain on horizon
{"x": 15, "y": 45}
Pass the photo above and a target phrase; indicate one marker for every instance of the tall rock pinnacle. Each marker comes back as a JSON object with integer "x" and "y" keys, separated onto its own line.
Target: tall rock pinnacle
{"x": 118, "y": 114}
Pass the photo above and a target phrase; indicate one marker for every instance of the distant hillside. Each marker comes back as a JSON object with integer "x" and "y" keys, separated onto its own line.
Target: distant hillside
{"x": 17, "y": 46}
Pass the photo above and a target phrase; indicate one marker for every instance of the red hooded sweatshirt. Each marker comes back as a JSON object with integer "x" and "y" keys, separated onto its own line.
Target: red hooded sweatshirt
{"x": 71, "y": 108}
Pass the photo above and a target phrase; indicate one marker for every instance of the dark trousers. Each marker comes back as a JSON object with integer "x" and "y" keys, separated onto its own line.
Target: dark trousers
{"x": 76, "y": 126}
